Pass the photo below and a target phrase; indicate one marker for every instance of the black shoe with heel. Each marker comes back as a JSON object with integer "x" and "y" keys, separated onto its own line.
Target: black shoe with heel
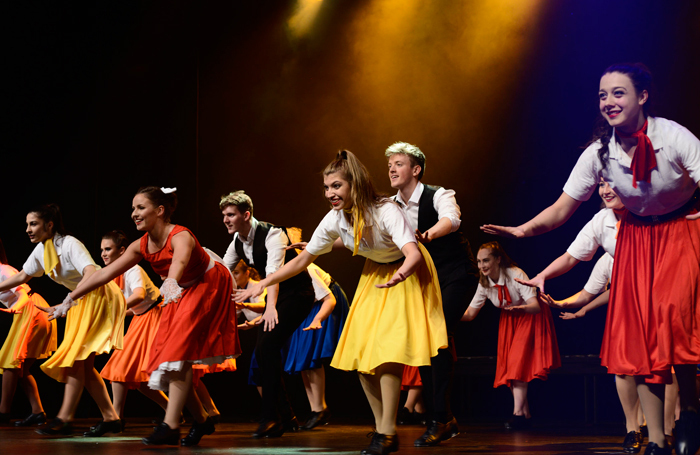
{"x": 115, "y": 426}
{"x": 197, "y": 431}
{"x": 437, "y": 432}
{"x": 163, "y": 435}
{"x": 382, "y": 444}
{"x": 33, "y": 419}
{"x": 56, "y": 427}
{"x": 633, "y": 442}
{"x": 317, "y": 419}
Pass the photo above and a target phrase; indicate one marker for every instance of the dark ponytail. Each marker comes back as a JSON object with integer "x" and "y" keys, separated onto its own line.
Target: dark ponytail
{"x": 51, "y": 213}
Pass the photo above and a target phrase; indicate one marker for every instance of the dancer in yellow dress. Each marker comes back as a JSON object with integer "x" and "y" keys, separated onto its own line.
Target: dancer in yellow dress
{"x": 94, "y": 324}
{"x": 396, "y": 316}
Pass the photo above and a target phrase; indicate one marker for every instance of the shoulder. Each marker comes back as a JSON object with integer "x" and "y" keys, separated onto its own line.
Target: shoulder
{"x": 516, "y": 272}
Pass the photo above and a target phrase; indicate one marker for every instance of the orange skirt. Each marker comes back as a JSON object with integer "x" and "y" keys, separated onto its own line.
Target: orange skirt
{"x": 129, "y": 364}
{"x": 199, "y": 370}
{"x": 653, "y": 319}
{"x": 32, "y": 335}
{"x": 527, "y": 346}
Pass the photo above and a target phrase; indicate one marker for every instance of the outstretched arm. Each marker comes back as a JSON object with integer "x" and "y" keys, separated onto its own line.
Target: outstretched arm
{"x": 559, "y": 266}
{"x": 532, "y": 306}
{"x": 92, "y": 281}
{"x": 410, "y": 264}
{"x": 323, "y": 313}
{"x": 601, "y": 300}
{"x": 15, "y": 280}
{"x": 550, "y": 218}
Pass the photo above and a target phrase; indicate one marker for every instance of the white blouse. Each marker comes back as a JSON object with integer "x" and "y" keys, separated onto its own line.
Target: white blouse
{"x": 135, "y": 278}
{"x": 519, "y": 293}
{"x": 600, "y": 276}
{"x": 601, "y": 230}
{"x": 73, "y": 257}
{"x": 673, "y": 180}
{"x": 386, "y": 231}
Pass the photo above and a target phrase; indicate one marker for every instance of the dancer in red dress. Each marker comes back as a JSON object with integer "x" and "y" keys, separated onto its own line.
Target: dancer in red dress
{"x": 527, "y": 344}
{"x": 198, "y": 324}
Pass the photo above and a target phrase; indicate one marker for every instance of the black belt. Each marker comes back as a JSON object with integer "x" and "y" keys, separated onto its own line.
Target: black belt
{"x": 692, "y": 202}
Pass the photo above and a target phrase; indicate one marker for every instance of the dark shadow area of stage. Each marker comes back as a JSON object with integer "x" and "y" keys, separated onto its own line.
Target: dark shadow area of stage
{"x": 212, "y": 97}
{"x": 338, "y": 438}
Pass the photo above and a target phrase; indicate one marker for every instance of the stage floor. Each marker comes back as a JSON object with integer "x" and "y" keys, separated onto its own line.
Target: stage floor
{"x": 234, "y": 438}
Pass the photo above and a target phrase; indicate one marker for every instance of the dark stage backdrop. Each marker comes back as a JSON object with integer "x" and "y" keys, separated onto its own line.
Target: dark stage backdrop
{"x": 211, "y": 97}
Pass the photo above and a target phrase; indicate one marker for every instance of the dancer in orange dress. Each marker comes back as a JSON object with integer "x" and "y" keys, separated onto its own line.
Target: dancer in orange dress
{"x": 125, "y": 368}
{"x": 198, "y": 324}
{"x": 31, "y": 337}
{"x": 527, "y": 344}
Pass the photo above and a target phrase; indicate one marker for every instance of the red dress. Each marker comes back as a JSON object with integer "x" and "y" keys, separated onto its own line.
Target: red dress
{"x": 527, "y": 346}
{"x": 201, "y": 326}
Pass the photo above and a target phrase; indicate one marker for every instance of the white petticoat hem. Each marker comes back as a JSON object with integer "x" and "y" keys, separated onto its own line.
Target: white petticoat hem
{"x": 160, "y": 378}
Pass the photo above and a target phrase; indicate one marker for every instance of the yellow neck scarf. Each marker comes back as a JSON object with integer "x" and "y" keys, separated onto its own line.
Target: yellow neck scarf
{"x": 358, "y": 225}
{"x": 50, "y": 258}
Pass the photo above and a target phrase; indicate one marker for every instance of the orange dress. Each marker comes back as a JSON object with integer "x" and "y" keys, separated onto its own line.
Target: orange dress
{"x": 201, "y": 326}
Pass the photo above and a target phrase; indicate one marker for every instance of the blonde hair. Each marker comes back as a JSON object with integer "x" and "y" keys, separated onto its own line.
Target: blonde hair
{"x": 414, "y": 154}
{"x": 238, "y": 198}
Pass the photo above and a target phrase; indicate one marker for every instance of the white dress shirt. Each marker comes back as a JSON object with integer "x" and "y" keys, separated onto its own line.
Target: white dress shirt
{"x": 276, "y": 242}
{"x": 444, "y": 203}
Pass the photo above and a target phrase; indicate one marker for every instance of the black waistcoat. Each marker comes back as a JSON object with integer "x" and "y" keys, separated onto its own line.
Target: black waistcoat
{"x": 300, "y": 281}
{"x": 449, "y": 251}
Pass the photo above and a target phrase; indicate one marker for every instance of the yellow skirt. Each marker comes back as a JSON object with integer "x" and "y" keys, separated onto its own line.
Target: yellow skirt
{"x": 32, "y": 335}
{"x": 402, "y": 324}
{"x": 95, "y": 324}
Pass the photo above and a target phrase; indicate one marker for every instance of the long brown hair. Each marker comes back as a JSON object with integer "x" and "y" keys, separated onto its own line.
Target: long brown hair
{"x": 497, "y": 252}
{"x": 362, "y": 191}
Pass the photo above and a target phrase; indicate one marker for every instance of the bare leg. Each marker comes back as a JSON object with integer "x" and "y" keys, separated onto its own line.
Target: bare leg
{"x": 72, "y": 391}
{"x": 627, "y": 393}
{"x": 520, "y": 404}
{"x": 97, "y": 389}
{"x": 10, "y": 378}
{"x": 651, "y": 397}
{"x": 29, "y": 386}
{"x": 390, "y": 383}
{"x": 119, "y": 391}
{"x": 414, "y": 400}
{"x": 315, "y": 385}
{"x": 670, "y": 401}
{"x": 180, "y": 391}
{"x": 157, "y": 396}
{"x": 205, "y": 399}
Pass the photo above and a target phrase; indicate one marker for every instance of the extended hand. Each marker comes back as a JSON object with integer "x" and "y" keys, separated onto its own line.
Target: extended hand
{"x": 537, "y": 282}
{"x": 693, "y": 216}
{"x": 396, "y": 279}
{"x": 269, "y": 319}
{"x": 297, "y": 246}
{"x": 578, "y": 314}
{"x": 315, "y": 325}
{"x": 241, "y": 295}
{"x": 247, "y": 325}
{"x": 424, "y": 237}
{"x": 548, "y": 300}
{"x": 503, "y": 231}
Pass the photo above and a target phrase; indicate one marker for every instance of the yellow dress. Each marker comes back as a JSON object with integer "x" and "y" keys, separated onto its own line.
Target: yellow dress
{"x": 94, "y": 325}
{"x": 402, "y": 324}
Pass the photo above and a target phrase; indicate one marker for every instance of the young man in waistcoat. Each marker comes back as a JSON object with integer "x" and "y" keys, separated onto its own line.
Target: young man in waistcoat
{"x": 263, "y": 246}
{"x": 434, "y": 214}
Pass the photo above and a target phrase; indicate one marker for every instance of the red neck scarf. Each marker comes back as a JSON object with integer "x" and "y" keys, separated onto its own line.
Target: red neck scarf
{"x": 503, "y": 295}
{"x": 644, "y": 159}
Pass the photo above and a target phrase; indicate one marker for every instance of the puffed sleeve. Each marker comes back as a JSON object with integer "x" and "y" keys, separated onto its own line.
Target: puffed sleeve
{"x": 323, "y": 237}
{"x": 585, "y": 176}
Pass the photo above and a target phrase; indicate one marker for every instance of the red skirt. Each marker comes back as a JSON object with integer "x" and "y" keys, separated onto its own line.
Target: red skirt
{"x": 527, "y": 346}
{"x": 653, "y": 319}
{"x": 128, "y": 365}
{"x": 201, "y": 325}
{"x": 410, "y": 378}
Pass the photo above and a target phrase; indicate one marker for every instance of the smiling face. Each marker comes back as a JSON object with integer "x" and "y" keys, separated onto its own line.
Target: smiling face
{"x": 620, "y": 104}
{"x": 610, "y": 198}
{"x": 37, "y": 230}
{"x": 234, "y": 220}
{"x": 241, "y": 274}
{"x": 337, "y": 191}
{"x": 144, "y": 213}
{"x": 488, "y": 264}
{"x": 401, "y": 172}
{"x": 109, "y": 251}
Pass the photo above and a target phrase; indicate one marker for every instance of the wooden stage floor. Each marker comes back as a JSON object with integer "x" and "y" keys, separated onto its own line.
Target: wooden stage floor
{"x": 346, "y": 438}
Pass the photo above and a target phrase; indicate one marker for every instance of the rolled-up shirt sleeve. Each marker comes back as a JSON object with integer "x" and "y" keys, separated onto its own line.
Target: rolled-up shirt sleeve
{"x": 446, "y": 206}
{"x": 276, "y": 243}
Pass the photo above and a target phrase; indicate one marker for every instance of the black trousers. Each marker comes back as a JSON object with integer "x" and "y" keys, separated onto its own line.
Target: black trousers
{"x": 292, "y": 308}
{"x": 458, "y": 287}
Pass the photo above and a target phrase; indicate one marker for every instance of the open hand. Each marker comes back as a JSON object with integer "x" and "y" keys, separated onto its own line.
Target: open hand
{"x": 396, "y": 279}
{"x": 503, "y": 231}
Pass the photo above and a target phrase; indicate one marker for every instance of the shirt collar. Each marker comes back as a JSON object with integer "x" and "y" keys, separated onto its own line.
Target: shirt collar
{"x": 415, "y": 197}
{"x": 653, "y": 132}
{"x": 251, "y": 234}
{"x": 501, "y": 279}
